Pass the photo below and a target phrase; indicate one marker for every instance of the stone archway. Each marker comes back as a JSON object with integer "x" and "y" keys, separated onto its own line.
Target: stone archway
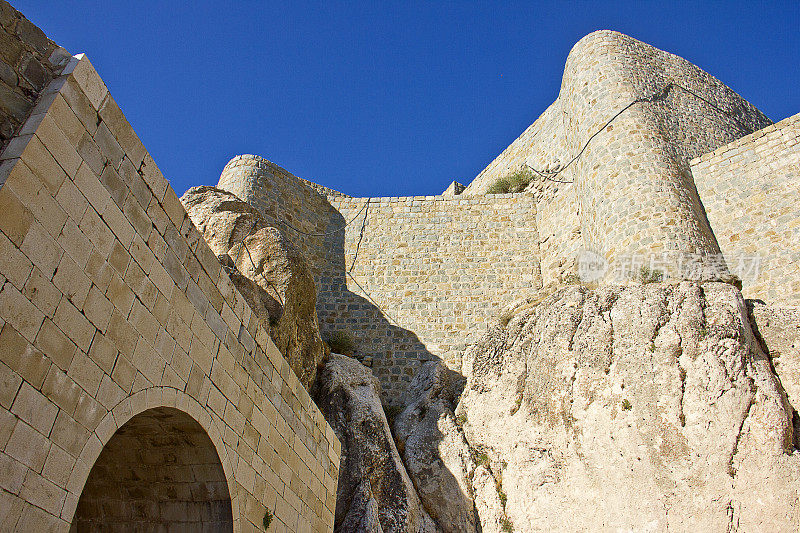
{"x": 160, "y": 470}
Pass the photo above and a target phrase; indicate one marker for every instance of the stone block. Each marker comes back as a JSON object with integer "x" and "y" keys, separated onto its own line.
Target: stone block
{"x": 76, "y": 326}
{"x": 41, "y": 293}
{"x": 17, "y": 218}
{"x": 59, "y": 146}
{"x": 97, "y": 309}
{"x": 69, "y": 434}
{"x": 58, "y": 465}
{"x": 108, "y": 145}
{"x": 43, "y": 165}
{"x": 19, "y": 312}
{"x": 28, "y": 446}
{"x": 101, "y": 237}
{"x": 118, "y": 224}
{"x": 14, "y": 265}
{"x": 34, "y": 408}
{"x": 43, "y": 493}
{"x": 71, "y": 200}
{"x": 89, "y": 82}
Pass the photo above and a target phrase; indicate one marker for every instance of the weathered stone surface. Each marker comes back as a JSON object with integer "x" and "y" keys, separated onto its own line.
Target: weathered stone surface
{"x": 779, "y": 332}
{"x": 434, "y": 450}
{"x": 645, "y": 408}
{"x": 375, "y": 493}
{"x": 274, "y": 277}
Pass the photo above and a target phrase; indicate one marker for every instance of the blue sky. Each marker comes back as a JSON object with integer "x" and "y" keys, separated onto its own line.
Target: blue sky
{"x": 384, "y": 98}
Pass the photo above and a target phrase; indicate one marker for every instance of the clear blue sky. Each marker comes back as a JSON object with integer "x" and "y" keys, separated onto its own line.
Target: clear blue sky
{"x": 379, "y": 98}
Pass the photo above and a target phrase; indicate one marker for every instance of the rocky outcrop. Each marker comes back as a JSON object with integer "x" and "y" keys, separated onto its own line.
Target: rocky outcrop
{"x": 268, "y": 270}
{"x": 646, "y": 408}
{"x": 434, "y": 450}
{"x": 779, "y": 332}
{"x": 374, "y": 492}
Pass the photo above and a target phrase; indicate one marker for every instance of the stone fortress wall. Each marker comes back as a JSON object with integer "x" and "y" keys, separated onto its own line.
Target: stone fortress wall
{"x": 408, "y": 277}
{"x": 124, "y": 342}
{"x": 750, "y": 192}
{"x": 28, "y": 62}
{"x": 423, "y": 276}
{"x": 633, "y": 192}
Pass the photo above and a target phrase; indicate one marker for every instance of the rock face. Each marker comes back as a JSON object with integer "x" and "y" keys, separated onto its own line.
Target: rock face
{"x": 374, "y": 492}
{"x": 645, "y": 408}
{"x": 434, "y": 450}
{"x": 267, "y": 269}
{"x": 779, "y": 332}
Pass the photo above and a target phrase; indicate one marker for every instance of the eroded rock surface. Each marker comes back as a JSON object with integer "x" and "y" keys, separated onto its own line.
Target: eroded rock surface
{"x": 434, "y": 450}
{"x": 779, "y": 332}
{"x": 374, "y": 492}
{"x": 268, "y": 270}
{"x": 643, "y": 408}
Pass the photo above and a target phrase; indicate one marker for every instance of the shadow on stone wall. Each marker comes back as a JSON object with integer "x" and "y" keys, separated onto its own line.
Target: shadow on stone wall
{"x": 393, "y": 353}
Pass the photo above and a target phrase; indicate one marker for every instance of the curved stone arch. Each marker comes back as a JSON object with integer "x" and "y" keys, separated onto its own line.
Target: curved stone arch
{"x": 135, "y": 404}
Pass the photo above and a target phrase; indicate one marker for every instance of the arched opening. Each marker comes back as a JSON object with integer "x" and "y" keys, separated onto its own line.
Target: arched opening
{"x": 159, "y": 472}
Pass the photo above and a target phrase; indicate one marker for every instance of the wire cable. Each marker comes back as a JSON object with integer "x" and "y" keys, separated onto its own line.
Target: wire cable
{"x": 658, "y": 95}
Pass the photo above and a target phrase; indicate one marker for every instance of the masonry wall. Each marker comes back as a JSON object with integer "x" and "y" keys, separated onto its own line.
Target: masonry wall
{"x": 633, "y": 186}
{"x": 419, "y": 278}
{"x": 298, "y": 207}
{"x": 28, "y": 61}
{"x": 111, "y": 305}
{"x": 750, "y": 192}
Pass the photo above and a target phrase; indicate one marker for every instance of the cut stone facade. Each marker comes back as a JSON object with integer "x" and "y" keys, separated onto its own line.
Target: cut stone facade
{"x": 750, "y": 193}
{"x": 115, "y": 319}
{"x": 121, "y": 334}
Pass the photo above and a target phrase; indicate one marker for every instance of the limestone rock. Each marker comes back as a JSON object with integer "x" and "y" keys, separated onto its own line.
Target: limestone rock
{"x": 268, "y": 270}
{"x": 645, "y": 408}
{"x": 779, "y": 331}
{"x": 434, "y": 450}
{"x": 374, "y": 492}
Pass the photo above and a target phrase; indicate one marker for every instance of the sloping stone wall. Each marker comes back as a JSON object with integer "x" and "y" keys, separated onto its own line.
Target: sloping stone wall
{"x": 634, "y": 194}
{"x": 111, "y": 305}
{"x": 750, "y": 192}
{"x": 28, "y": 61}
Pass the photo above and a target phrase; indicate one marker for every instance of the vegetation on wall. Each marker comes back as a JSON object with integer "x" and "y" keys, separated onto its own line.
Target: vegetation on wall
{"x": 341, "y": 342}
{"x": 514, "y": 182}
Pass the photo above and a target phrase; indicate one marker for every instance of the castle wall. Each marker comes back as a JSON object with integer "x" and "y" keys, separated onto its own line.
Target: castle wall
{"x": 420, "y": 277}
{"x": 749, "y": 189}
{"x": 112, "y": 305}
{"x": 298, "y": 207}
{"x": 635, "y": 196}
{"x": 28, "y": 61}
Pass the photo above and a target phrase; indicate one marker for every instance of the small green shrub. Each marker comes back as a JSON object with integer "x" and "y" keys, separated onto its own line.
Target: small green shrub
{"x": 461, "y": 419}
{"x": 267, "y": 519}
{"x": 571, "y": 279}
{"x": 650, "y": 276}
{"x": 626, "y": 405}
{"x": 503, "y": 497}
{"x": 481, "y": 458}
{"x": 506, "y": 525}
{"x": 515, "y": 182}
{"x": 517, "y": 404}
{"x": 341, "y": 342}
